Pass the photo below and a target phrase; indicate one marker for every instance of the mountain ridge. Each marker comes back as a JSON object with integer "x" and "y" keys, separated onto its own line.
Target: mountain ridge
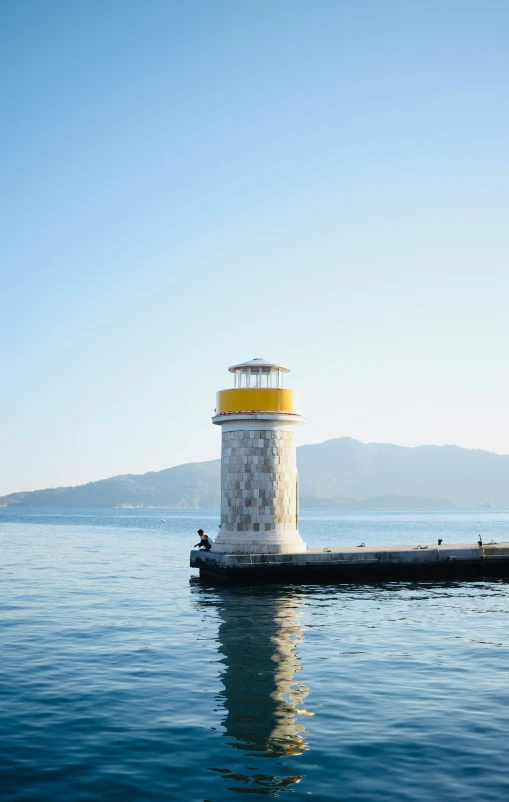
{"x": 339, "y": 471}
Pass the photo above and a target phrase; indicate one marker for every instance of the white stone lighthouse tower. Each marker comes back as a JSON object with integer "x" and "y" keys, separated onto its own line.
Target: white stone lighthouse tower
{"x": 259, "y": 486}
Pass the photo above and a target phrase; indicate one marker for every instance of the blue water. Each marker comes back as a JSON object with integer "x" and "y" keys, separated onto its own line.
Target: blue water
{"x": 122, "y": 677}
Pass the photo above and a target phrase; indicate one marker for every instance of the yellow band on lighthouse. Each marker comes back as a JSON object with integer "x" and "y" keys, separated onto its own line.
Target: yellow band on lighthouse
{"x": 258, "y": 399}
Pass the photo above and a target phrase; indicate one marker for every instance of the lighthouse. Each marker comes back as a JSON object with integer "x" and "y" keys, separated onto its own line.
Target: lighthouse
{"x": 259, "y": 483}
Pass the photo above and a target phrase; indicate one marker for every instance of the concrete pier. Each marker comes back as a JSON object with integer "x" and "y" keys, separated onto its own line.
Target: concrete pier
{"x": 357, "y": 564}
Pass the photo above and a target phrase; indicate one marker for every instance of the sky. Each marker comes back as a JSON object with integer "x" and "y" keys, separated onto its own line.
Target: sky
{"x": 188, "y": 185}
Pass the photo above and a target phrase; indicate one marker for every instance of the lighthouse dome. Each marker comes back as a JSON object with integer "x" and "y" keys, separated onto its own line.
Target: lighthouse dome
{"x": 258, "y": 362}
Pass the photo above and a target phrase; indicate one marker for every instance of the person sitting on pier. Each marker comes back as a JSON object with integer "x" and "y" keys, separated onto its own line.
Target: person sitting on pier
{"x": 204, "y": 542}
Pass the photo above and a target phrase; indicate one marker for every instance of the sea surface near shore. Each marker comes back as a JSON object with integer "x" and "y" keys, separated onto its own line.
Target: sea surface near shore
{"x": 123, "y": 677}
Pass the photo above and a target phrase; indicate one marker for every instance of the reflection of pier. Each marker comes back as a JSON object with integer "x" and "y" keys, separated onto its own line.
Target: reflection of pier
{"x": 259, "y": 635}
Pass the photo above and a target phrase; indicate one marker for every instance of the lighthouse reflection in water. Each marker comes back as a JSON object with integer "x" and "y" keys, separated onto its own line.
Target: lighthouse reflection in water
{"x": 258, "y": 636}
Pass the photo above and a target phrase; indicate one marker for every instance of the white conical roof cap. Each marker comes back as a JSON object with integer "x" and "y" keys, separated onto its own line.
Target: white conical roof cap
{"x": 258, "y": 362}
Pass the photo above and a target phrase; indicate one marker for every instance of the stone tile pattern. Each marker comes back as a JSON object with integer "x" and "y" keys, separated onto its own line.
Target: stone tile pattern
{"x": 258, "y": 481}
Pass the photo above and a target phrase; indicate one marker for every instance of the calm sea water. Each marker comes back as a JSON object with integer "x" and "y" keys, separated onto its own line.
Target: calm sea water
{"x": 122, "y": 677}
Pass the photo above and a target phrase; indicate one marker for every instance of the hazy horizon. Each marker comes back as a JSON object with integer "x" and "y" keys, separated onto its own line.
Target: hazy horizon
{"x": 188, "y": 186}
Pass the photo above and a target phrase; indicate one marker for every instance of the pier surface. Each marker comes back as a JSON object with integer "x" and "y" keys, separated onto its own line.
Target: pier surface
{"x": 357, "y": 564}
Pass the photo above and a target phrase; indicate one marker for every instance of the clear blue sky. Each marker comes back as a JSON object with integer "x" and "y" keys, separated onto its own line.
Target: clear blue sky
{"x": 186, "y": 185}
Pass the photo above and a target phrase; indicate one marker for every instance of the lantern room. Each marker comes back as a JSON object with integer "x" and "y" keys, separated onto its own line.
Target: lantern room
{"x": 258, "y": 373}
{"x": 258, "y": 388}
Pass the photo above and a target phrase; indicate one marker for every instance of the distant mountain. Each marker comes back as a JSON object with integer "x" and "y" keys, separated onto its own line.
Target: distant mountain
{"x": 341, "y": 473}
{"x": 346, "y": 467}
{"x": 196, "y": 484}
